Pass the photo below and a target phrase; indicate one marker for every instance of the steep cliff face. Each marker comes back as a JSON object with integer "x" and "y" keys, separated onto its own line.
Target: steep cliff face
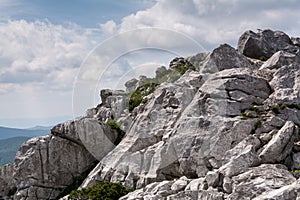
{"x": 218, "y": 125}
{"x": 227, "y": 130}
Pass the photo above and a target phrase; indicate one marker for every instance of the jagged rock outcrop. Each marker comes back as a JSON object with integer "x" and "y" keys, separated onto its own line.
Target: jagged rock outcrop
{"x": 226, "y": 128}
{"x": 265, "y": 43}
{"x": 233, "y": 118}
{"x": 280, "y": 59}
{"x": 223, "y": 57}
{"x": 45, "y": 166}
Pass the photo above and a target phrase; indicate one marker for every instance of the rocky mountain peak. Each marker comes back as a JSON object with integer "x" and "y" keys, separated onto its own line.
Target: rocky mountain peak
{"x": 215, "y": 125}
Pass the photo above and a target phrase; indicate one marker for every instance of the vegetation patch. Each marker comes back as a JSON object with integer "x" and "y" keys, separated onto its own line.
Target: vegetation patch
{"x": 116, "y": 126}
{"x": 101, "y": 191}
{"x": 77, "y": 181}
{"x": 275, "y": 109}
{"x": 138, "y": 96}
{"x": 170, "y": 75}
{"x": 182, "y": 68}
{"x": 255, "y": 112}
{"x": 263, "y": 58}
{"x": 245, "y": 116}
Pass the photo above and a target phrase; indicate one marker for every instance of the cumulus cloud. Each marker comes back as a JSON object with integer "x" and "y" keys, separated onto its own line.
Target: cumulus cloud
{"x": 216, "y": 21}
{"x": 109, "y": 27}
{"x": 41, "y": 52}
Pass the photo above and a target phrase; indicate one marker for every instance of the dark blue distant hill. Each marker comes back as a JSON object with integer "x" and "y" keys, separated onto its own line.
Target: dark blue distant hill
{"x": 12, "y": 138}
{"x": 9, "y": 148}
{"x": 15, "y": 132}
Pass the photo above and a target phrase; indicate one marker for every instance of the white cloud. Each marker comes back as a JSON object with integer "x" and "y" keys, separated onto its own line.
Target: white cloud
{"x": 39, "y": 62}
{"x": 109, "y": 27}
{"x": 212, "y": 22}
{"x": 41, "y": 52}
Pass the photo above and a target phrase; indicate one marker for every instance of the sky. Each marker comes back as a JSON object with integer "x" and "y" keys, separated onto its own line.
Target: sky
{"x": 45, "y": 45}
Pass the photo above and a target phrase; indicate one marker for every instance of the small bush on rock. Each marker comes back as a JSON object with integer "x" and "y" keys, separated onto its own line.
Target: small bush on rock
{"x": 170, "y": 75}
{"x": 77, "y": 181}
{"x": 263, "y": 58}
{"x": 137, "y": 97}
{"x": 101, "y": 191}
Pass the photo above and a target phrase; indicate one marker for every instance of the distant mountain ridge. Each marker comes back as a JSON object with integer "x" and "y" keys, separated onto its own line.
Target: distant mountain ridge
{"x": 9, "y": 148}
{"x": 12, "y": 138}
{"x": 45, "y": 128}
{"x": 6, "y": 132}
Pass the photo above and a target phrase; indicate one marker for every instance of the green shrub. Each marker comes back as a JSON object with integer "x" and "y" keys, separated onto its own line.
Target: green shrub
{"x": 114, "y": 125}
{"x": 263, "y": 58}
{"x": 182, "y": 69}
{"x": 275, "y": 109}
{"x": 255, "y": 110}
{"x": 77, "y": 181}
{"x": 282, "y": 105}
{"x": 137, "y": 97}
{"x": 245, "y": 116}
{"x": 170, "y": 75}
{"x": 101, "y": 191}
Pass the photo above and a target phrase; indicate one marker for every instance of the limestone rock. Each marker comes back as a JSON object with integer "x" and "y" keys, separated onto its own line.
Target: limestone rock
{"x": 280, "y": 59}
{"x": 182, "y": 133}
{"x": 104, "y": 94}
{"x": 259, "y": 180}
{"x": 7, "y": 187}
{"x": 197, "y": 184}
{"x": 264, "y": 44}
{"x": 152, "y": 191}
{"x": 280, "y": 145}
{"x": 193, "y": 127}
{"x": 227, "y": 184}
{"x": 160, "y": 72}
{"x": 212, "y": 179}
{"x": 43, "y": 168}
{"x": 286, "y": 86}
{"x": 241, "y": 163}
{"x": 202, "y": 194}
{"x": 224, "y": 57}
{"x": 284, "y": 193}
{"x": 131, "y": 85}
{"x": 180, "y": 184}
{"x": 296, "y": 41}
{"x": 197, "y": 60}
{"x": 94, "y": 135}
{"x": 115, "y": 100}
{"x": 235, "y": 90}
